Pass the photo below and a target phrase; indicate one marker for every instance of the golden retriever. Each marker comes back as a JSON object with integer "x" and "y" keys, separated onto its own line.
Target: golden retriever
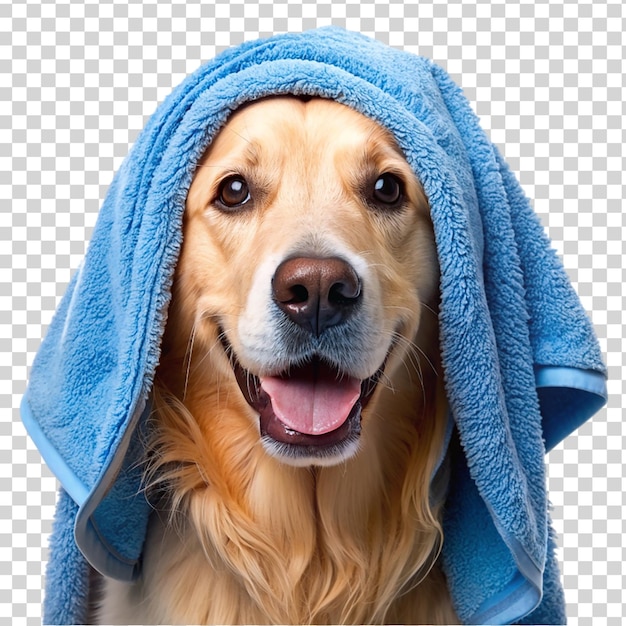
{"x": 299, "y": 415}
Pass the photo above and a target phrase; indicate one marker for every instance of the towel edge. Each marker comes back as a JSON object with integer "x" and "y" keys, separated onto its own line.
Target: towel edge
{"x": 520, "y": 597}
{"x": 94, "y": 548}
{"x": 100, "y": 554}
{"x": 572, "y": 377}
{"x": 76, "y": 489}
{"x": 594, "y": 395}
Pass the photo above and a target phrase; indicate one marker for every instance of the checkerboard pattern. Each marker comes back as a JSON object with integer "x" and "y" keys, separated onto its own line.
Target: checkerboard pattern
{"x": 80, "y": 79}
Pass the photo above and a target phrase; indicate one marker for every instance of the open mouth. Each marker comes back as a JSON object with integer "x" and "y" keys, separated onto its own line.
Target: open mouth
{"x": 309, "y": 411}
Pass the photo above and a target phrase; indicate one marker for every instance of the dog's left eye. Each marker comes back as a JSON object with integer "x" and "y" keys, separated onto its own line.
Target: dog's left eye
{"x": 387, "y": 189}
{"x": 233, "y": 192}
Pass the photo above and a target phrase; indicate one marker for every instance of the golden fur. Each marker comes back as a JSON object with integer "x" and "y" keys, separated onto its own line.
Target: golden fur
{"x": 239, "y": 536}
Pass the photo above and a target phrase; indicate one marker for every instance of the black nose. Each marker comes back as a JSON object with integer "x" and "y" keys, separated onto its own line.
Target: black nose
{"x": 316, "y": 293}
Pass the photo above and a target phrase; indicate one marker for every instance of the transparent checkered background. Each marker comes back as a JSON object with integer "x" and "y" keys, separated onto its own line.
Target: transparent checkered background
{"x": 78, "y": 82}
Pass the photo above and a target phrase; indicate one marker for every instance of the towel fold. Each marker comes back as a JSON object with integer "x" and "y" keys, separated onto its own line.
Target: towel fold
{"x": 522, "y": 365}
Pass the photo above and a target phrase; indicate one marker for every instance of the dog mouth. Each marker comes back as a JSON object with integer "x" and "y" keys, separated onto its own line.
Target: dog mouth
{"x": 309, "y": 411}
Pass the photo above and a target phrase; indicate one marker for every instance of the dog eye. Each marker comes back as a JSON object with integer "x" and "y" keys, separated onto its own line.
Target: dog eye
{"x": 387, "y": 189}
{"x": 233, "y": 192}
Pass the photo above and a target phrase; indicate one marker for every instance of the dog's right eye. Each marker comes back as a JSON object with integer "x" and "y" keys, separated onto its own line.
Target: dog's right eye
{"x": 388, "y": 189}
{"x": 233, "y": 192}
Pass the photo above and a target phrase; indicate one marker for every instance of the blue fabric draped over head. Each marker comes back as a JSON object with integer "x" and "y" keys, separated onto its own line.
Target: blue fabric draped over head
{"x": 522, "y": 365}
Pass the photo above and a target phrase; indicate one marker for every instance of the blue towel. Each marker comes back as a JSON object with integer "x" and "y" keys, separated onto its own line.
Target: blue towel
{"x": 522, "y": 365}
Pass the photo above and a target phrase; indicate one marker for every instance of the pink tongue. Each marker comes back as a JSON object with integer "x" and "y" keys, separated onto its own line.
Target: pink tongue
{"x": 312, "y": 401}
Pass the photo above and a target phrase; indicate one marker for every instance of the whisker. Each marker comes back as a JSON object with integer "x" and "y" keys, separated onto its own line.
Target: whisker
{"x": 250, "y": 384}
{"x": 429, "y": 309}
{"x": 208, "y": 353}
{"x": 189, "y": 356}
{"x": 415, "y": 347}
{"x": 432, "y": 366}
{"x": 386, "y": 382}
{"x": 415, "y": 356}
{"x": 214, "y": 165}
{"x": 412, "y": 363}
{"x": 232, "y": 130}
{"x": 423, "y": 305}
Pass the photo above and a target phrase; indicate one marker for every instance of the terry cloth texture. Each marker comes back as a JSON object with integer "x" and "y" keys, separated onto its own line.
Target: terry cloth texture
{"x": 522, "y": 365}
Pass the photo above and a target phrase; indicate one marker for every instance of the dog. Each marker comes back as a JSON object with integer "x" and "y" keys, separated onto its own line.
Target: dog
{"x": 298, "y": 406}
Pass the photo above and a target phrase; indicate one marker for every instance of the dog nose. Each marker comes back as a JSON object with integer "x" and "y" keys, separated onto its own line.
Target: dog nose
{"x": 316, "y": 293}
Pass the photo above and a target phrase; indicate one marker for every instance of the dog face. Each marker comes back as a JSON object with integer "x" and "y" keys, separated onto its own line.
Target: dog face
{"x": 308, "y": 259}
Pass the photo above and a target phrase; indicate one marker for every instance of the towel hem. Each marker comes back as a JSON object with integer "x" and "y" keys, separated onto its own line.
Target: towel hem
{"x": 568, "y": 397}
{"x": 571, "y": 377}
{"x": 516, "y": 600}
{"x": 522, "y": 594}
{"x": 100, "y": 554}
{"x": 64, "y": 474}
{"x": 439, "y": 478}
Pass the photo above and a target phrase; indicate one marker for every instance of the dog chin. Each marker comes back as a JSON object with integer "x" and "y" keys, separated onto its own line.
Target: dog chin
{"x": 308, "y": 456}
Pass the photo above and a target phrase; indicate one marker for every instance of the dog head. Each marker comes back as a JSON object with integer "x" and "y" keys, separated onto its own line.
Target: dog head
{"x": 307, "y": 262}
